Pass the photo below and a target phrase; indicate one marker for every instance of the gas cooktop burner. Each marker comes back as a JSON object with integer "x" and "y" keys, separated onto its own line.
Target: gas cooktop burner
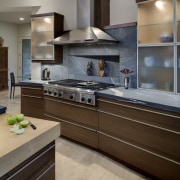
{"x": 75, "y": 90}
{"x": 91, "y": 85}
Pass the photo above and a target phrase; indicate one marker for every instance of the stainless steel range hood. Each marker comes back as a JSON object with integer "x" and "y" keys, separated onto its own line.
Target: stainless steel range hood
{"x": 85, "y": 33}
{"x": 89, "y": 35}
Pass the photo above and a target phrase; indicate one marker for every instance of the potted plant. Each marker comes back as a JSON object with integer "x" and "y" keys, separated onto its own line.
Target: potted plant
{"x": 126, "y": 72}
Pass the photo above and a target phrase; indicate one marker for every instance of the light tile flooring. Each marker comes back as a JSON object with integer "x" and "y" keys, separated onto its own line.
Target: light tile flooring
{"x": 76, "y": 162}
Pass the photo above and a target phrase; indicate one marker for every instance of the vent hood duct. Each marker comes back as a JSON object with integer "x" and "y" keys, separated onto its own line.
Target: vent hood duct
{"x": 85, "y": 33}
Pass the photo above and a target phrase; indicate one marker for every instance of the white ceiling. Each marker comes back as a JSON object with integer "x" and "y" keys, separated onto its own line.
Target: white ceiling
{"x": 12, "y": 15}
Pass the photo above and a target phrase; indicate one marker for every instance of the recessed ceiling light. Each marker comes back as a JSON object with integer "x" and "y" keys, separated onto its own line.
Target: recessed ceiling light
{"x": 160, "y": 4}
{"x": 21, "y": 19}
{"x": 47, "y": 20}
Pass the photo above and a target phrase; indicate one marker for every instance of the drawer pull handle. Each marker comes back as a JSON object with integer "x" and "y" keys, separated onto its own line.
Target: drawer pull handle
{"x": 38, "y": 97}
{"x": 142, "y": 149}
{"x": 71, "y": 123}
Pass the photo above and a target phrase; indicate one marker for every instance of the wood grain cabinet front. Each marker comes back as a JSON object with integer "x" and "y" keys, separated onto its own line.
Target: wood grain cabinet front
{"x": 32, "y": 101}
{"x": 78, "y": 122}
{"x": 3, "y": 68}
{"x": 143, "y": 137}
{"x": 40, "y": 166}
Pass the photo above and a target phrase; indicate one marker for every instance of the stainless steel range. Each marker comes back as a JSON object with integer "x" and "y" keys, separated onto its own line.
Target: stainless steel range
{"x": 75, "y": 90}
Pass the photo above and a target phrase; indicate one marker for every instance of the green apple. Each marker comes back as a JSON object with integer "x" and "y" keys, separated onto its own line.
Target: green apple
{"x": 11, "y": 119}
{"x": 20, "y": 117}
{"x": 24, "y": 123}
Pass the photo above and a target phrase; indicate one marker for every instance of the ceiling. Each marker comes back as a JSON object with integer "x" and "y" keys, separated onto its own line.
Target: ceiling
{"x": 12, "y": 15}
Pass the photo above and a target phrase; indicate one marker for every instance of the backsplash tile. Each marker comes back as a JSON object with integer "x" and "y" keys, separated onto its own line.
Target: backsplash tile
{"x": 116, "y": 56}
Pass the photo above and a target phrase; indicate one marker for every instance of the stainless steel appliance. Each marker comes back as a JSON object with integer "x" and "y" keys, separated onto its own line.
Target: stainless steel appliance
{"x": 45, "y": 74}
{"x": 75, "y": 90}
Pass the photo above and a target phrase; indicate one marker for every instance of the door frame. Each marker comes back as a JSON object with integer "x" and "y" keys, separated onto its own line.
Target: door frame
{"x": 19, "y": 65}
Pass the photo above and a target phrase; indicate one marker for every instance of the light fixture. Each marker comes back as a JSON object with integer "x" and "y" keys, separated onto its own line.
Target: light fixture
{"x": 21, "y": 19}
{"x": 47, "y": 20}
{"x": 160, "y": 4}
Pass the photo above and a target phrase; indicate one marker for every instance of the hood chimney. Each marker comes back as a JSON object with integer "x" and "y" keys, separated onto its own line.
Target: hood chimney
{"x": 85, "y": 33}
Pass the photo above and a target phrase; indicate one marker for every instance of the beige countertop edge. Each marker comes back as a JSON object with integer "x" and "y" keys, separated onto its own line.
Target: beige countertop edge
{"x": 12, "y": 158}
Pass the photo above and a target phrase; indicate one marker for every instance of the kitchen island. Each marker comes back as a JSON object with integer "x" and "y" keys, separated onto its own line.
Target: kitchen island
{"x": 31, "y": 154}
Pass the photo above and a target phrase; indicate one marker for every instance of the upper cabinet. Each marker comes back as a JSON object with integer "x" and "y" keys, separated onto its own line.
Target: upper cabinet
{"x": 159, "y": 45}
{"x": 155, "y": 22}
{"x": 45, "y": 27}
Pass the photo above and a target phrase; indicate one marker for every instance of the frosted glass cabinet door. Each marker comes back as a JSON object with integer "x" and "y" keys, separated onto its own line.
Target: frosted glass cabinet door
{"x": 45, "y": 27}
{"x": 155, "y": 21}
{"x": 178, "y": 20}
{"x": 40, "y": 24}
{"x": 156, "y": 68}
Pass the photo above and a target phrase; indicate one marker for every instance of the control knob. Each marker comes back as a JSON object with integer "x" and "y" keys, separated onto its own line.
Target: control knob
{"x": 55, "y": 93}
{"x": 60, "y": 94}
{"x": 45, "y": 91}
{"x": 71, "y": 96}
{"x": 89, "y": 100}
{"x": 49, "y": 92}
{"x": 83, "y": 99}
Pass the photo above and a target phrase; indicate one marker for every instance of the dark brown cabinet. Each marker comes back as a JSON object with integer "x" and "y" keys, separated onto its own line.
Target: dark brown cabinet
{"x": 46, "y": 27}
{"x": 101, "y": 13}
{"x": 3, "y": 68}
{"x": 78, "y": 122}
{"x": 32, "y": 101}
{"x": 143, "y": 137}
{"x": 39, "y": 166}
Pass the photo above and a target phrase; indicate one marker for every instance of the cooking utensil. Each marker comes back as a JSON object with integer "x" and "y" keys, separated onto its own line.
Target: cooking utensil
{"x": 32, "y": 125}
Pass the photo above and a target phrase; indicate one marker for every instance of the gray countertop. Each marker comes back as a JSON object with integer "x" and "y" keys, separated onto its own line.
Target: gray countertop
{"x": 35, "y": 82}
{"x": 156, "y": 99}
{"x": 161, "y": 100}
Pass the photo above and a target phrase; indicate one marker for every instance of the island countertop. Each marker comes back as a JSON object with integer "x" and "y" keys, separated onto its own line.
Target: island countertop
{"x": 17, "y": 148}
{"x": 155, "y": 99}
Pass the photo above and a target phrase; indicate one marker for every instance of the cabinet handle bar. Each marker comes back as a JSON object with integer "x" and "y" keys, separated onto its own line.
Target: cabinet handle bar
{"x": 150, "y": 152}
{"x": 71, "y": 123}
{"x": 129, "y": 119}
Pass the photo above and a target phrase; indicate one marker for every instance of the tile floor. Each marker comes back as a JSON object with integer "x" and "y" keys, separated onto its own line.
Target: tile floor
{"x": 76, "y": 162}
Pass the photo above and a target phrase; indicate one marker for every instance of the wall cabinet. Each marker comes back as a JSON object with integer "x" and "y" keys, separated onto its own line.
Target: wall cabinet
{"x": 32, "y": 101}
{"x": 3, "y": 68}
{"x": 143, "y": 137}
{"x": 45, "y": 27}
{"x": 78, "y": 122}
{"x": 158, "y": 44}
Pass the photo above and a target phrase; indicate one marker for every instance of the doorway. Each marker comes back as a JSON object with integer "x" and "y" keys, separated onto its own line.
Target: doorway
{"x": 26, "y": 59}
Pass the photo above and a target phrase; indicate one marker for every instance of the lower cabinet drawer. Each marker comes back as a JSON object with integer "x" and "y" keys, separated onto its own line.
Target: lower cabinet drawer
{"x": 32, "y": 107}
{"x": 83, "y": 135}
{"x": 146, "y": 161}
{"x": 86, "y": 116}
{"x": 76, "y": 132}
{"x": 153, "y": 138}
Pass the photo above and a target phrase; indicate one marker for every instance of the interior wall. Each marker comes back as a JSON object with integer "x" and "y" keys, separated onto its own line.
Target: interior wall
{"x": 123, "y": 11}
{"x": 9, "y": 32}
{"x": 65, "y": 7}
